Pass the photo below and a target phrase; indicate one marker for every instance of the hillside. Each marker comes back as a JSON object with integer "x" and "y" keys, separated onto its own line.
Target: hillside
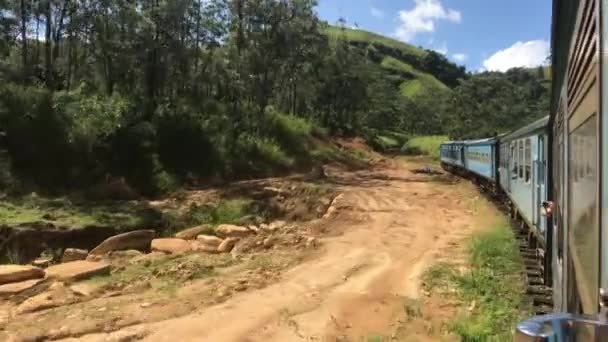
{"x": 403, "y": 64}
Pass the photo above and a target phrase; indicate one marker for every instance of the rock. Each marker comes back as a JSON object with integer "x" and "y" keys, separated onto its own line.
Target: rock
{"x": 311, "y": 242}
{"x": 85, "y": 289}
{"x": 94, "y": 258}
{"x": 199, "y": 246}
{"x": 8, "y": 290}
{"x": 73, "y": 254}
{"x": 146, "y": 258}
{"x": 56, "y": 295}
{"x": 137, "y": 239}
{"x": 276, "y": 225}
{"x": 209, "y": 240}
{"x": 145, "y": 305}
{"x": 227, "y": 245}
{"x": 171, "y": 246}
{"x": 253, "y": 229}
{"x": 272, "y": 191}
{"x": 268, "y": 242}
{"x": 17, "y": 273}
{"x": 77, "y": 270}
{"x": 250, "y": 220}
{"x": 128, "y": 254}
{"x": 229, "y": 230}
{"x": 192, "y": 233}
{"x": 42, "y": 262}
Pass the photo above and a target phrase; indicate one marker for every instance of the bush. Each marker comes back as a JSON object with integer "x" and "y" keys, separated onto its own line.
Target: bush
{"x": 261, "y": 155}
{"x": 424, "y": 145}
{"x": 184, "y": 145}
{"x": 36, "y": 135}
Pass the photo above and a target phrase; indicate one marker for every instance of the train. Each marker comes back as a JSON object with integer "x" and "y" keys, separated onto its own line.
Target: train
{"x": 553, "y": 175}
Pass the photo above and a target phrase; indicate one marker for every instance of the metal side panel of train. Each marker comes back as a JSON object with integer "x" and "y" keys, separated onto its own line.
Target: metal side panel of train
{"x": 579, "y": 159}
{"x": 480, "y": 157}
{"x": 523, "y": 172}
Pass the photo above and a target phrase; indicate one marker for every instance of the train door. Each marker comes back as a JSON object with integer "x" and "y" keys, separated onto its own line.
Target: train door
{"x": 540, "y": 176}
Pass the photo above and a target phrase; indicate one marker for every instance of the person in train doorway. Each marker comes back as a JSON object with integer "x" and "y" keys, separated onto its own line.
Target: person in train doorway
{"x": 547, "y": 208}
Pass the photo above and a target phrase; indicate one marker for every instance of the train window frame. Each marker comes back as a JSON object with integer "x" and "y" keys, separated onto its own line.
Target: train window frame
{"x": 528, "y": 160}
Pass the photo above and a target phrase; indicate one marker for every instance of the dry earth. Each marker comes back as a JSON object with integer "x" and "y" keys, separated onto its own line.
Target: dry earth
{"x": 384, "y": 230}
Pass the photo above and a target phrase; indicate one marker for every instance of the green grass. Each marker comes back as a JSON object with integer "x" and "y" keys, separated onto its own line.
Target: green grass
{"x": 411, "y": 88}
{"x": 494, "y": 283}
{"x": 226, "y": 211}
{"x": 372, "y": 38}
{"x": 392, "y": 63}
{"x": 425, "y": 145}
{"x": 421, "y": 84}
{"x": 71, "y": 213}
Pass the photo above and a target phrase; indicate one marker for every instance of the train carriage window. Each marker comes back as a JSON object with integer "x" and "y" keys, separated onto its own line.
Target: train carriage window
{"x": 528, "y": 161}
{"x": 520, "y": 152}
{"x": 514, "y": 158}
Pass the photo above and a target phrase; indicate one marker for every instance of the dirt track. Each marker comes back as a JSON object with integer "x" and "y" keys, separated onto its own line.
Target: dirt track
{"x": 388, "y": 227}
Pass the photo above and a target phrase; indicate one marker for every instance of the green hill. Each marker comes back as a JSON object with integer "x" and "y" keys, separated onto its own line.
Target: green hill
{"x": 414, "y": 70}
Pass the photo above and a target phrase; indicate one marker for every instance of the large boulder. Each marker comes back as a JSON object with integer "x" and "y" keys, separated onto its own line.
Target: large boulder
{"x": 192, "y": 233}
{"x": 229, "y": 230}
{"x": 137, "y": 239}
{"x": 73, "y": 254}
{"x": 17, "y": 273}
{"x": 227, "y": 245}
{"x": 171, "y": 246}
{"x": 77, "y": 270}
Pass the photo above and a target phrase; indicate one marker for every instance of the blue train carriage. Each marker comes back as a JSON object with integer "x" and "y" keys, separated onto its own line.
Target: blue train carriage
{"x": 480, "y": 158}
{"x": 523, "y": 171}
{"x": 452, "y": 155}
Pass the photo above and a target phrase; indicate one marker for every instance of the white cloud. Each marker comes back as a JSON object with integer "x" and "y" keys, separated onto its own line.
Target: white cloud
{"x": 460, "y": 57}
{"x": 422, "y": 18}
{"x": 377, "y": 13}
{"x": 529, "y": 54}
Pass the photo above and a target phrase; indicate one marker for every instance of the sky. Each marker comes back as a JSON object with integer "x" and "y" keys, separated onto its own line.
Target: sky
{"x": 493, "y": 35}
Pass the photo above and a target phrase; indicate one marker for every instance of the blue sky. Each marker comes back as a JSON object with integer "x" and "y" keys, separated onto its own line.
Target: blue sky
{"x": 481, "y": 34}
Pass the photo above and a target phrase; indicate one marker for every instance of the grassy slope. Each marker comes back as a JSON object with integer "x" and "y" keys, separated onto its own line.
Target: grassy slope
{"x": 369, "y": 37}
{"x": 414, "y": 81}
{"x": 426, "y": 145}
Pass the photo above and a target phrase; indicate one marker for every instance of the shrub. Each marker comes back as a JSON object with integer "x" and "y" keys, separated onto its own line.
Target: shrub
{"x": 184, "y": 145}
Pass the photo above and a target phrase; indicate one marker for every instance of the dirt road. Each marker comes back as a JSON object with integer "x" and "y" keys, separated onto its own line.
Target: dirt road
{"x": 388, "y": 226}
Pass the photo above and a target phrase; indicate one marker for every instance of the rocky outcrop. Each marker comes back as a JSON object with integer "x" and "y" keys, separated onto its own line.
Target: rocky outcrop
{"x": 137, "y": 239}
{"x": 17, "y": 273}
{"x": 77, "y": 270}
{"x": 229, "y": 230}
{"x": 192, "y": 233}
{"x": 227, "y": 245}
{"x": 171, "y": 246}
{"x": 73, "y": 254}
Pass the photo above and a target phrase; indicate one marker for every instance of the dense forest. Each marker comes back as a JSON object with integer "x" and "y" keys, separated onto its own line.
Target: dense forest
{"x": 161, "y": 92}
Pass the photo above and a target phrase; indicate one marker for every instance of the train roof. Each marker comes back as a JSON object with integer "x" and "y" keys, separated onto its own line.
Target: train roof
{"x": 535, "y": 126}
{"x": 485, "y": 141}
